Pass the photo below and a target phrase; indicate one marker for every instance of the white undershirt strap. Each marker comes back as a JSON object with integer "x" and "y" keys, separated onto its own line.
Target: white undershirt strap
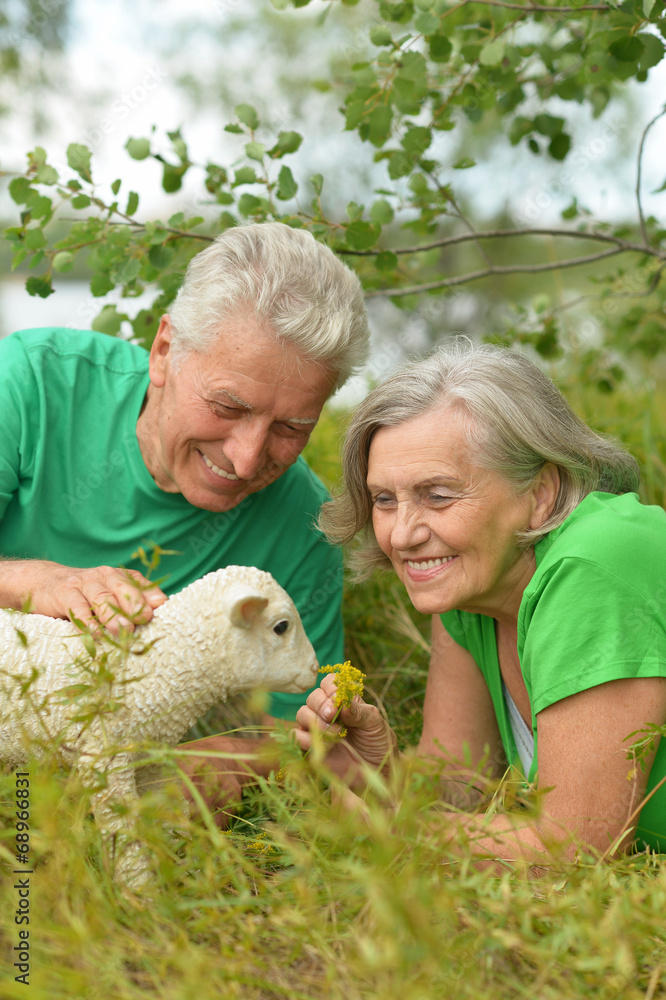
{"x": 522, "y": 733}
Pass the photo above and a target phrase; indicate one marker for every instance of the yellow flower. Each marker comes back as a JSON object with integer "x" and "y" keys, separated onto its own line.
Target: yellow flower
{"x": 348, "y": 682}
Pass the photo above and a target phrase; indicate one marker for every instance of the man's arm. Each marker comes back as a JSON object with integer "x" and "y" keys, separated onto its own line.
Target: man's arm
{"x": 99, "y": 595}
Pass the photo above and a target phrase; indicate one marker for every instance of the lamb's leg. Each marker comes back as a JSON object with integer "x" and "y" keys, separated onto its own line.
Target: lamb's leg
{"x": 130, "y": 866}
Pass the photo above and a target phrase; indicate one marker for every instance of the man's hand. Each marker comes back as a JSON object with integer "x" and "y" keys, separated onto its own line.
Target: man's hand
{"x": 220, "y": 780}
{"x": 101, "y": 595}
{"x": 369, "y": 738}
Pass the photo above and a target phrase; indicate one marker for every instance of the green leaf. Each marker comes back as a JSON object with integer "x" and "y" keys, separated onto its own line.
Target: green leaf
{"x": 128, "y": 271}
{"x": 381, "y": 35}
{"x": 379, "y": 124}
{"x": 108, "y": 321}
{"x": 132, "y": 203}
{"x": 464, "y": 164}
{"x": 172, "y": 177}
{"x": 381, "y": 212}
{"x": 317, "y": 182}
{"x": 287, "y": 142}
{"x": 39, "y": 206}
{"x": 34, "y": 239}
{"x": 255, "y": 150}
{"x": 627, "y": 49}
{"x": 440, "y": 48}
{"x": 18, "y": 258}
{"x": 78, "y": 158}
{"x": 115, "y": 187}
{"x": 386, "y": 261}
{"x": 20, "y": 190}
{"x": 492, "y": 53}
{"x": 647, "y": 7}
{"x": 416, "y": 140}
{"x": 653, "y": 51}
{"x": 247, "y": 115}
{"x": 426, "y": 23}
{"x": 63, "y": 261}
{"x": 39, "y": 286}
{"x": 245, "y": 175}
{"x": 236, "y": 129}
{"x": 548, "y": 125}
{"x": 361, "y": 235}
{"x": 100, "y": 284}
{"x": 354, "y": 211}
{"x": 80, "y": 201}
{"x": 399, "y": 164}
{"x": 287, "y": 186}
{"x": 559, "y": 146}
{"x": 145, "y": 324}
{"x": 249, "y": 205}
{"x": 413, "y": 66}
{"x": 138, "y": 149}
{"x": 46, "y": 175}
{"x": 160, "y": 256}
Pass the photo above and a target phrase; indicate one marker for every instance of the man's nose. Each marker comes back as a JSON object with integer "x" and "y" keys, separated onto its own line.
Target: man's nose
{"x": 247, "y": 448}
{"x": 409, "y": 528}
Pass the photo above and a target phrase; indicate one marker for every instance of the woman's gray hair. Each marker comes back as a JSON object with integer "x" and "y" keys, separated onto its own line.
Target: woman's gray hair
{"x": 516, "y": 420}
{"x": 289, "y": 281}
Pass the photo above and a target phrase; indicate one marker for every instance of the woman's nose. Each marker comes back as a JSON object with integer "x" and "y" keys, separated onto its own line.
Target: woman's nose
{"x": 409, "y": 528}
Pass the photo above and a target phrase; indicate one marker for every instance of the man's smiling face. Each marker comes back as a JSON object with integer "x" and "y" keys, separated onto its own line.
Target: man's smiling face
{"x": 223, "y": 423}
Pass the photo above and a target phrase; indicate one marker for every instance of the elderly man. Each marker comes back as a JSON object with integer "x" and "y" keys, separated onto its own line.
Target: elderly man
{"x": 194, "y": 447}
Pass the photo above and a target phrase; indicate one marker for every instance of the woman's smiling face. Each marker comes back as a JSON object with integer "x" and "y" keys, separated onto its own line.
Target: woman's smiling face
{"x": 448, "y": 525}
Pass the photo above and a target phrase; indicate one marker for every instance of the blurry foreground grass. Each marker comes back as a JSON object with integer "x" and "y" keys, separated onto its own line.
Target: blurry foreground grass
{"x": 300, "y": 901}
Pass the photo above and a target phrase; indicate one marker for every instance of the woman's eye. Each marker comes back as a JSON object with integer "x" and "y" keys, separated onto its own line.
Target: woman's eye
{"x": 383, "y": 500}
{"x": 437, "y": 498}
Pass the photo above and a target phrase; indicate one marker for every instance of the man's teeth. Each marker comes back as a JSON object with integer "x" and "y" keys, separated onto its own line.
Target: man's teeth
{"x": 218, "y": 471}
{"x": 428, "y": 563}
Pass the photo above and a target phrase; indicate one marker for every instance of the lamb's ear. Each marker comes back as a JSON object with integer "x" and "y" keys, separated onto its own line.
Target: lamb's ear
{"x": 245, "y": 606}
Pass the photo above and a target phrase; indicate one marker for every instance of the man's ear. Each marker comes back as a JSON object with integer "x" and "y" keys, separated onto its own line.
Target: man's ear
{"x": 160, "y": 353}
{"x": 545, "y": 492}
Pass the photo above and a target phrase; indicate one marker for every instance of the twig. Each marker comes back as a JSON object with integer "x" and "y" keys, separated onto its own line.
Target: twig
{"x": 533, "y": 8}
{"x": 639, "y": 170}
{"x": 496, "y": 234}
{"x": 463, "y": 279}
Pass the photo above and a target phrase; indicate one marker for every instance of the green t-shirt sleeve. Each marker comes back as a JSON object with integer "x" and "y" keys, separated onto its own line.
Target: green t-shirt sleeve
{"x": 585, "y": 626}
{"x": 17, "y": 386}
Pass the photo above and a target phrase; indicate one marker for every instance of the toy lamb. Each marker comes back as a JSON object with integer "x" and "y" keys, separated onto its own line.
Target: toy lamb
{"x": 89, "y": 701}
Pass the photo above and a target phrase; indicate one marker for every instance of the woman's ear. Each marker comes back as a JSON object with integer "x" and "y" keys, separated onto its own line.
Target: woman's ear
{"x": 545, "y": 492}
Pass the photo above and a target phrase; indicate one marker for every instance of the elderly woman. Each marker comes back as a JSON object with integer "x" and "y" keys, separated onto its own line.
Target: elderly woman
{"x": 518, "y": 528}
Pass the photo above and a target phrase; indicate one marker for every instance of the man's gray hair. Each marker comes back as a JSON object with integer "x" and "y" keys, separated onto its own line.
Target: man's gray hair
{"x": 295, "y": 285}
{"x": 516, "y": 420}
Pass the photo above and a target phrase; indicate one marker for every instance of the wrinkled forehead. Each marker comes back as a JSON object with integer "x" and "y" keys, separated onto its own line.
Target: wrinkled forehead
{"x": 439, "y": 441}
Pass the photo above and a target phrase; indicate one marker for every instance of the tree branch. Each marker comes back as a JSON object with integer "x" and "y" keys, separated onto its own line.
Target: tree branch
{"x": 639, "y": 170}
{"x": 463, "y": 279}
{"x": 533, "y": 8}
{"x": 496, "y": 234}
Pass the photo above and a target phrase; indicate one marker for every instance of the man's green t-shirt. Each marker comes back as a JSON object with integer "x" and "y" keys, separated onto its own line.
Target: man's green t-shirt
{"x": 594, "y": 611}
{"x": 74, "y": 488}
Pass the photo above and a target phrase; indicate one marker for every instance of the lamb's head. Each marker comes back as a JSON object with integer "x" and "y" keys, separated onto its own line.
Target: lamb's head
{"x": 254, "y": 623}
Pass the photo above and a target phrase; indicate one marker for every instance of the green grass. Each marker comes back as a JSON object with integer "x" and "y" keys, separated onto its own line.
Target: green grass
{"x": 300, "y": 900}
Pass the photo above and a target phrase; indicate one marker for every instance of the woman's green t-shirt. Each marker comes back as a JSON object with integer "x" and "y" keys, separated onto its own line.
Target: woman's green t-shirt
{"x": 594, "y": 611}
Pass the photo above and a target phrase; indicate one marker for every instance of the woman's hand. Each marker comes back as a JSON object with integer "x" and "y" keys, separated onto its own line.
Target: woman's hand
{"x": 369, "y": 738}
